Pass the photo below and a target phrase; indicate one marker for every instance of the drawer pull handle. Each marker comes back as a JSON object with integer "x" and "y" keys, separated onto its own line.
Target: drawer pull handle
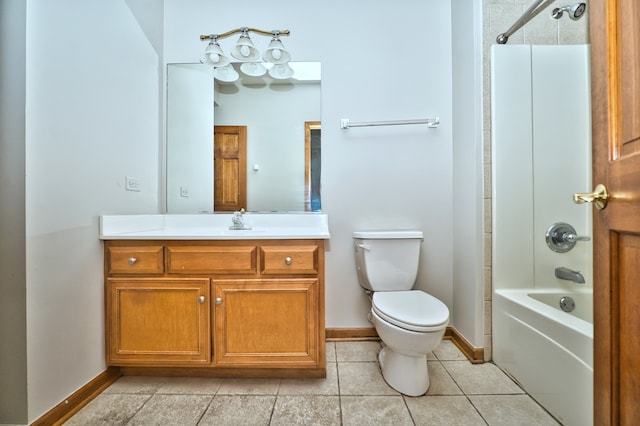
{"x": 288, "y": 260}
{"x": 218, "y": 300}
{"x": 201, "y": 299}
{"x": 132, "y": 260}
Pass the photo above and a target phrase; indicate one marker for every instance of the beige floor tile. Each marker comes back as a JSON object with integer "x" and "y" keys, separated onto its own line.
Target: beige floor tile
{"x": 485, "y": 378}
{"x": 440, "y": 381}
{"x": 362, "y": 378}
{"x": 448, "y": 351}
{"x": 190, "y": 385}
{"x": 136, "y": 384}
{"x": 511, "y": 410}
{"x": 443, "y": 410}
{"x": 183, "y": 410}
{"x": 306, "y": 410}
{"x": 331, "y": 352}
{"x": 357, "y": 351}
{"x": 374, "y": 410}
{"x": 242, "y": 386}
{"x": 233, "y": 410}
{"x": 326, "y": 386}
{"x": 109, "y": 409}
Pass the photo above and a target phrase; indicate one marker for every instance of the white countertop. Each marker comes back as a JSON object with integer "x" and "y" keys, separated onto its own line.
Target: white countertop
{"x": 214, "y": 226}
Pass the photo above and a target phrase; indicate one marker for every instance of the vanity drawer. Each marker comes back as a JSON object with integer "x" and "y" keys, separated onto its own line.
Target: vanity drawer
{"x": 135, "y": 259}
{"x": 211, "y": 259}
{"x": 300, "y": 260}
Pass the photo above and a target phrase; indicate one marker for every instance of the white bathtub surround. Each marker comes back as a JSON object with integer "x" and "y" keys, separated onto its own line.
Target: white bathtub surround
{"x": 541, "y": 155}
{"x": 214, "y": 226}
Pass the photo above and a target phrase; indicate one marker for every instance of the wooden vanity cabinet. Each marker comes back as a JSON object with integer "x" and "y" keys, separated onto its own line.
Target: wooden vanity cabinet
{"x": 241, "y": 307}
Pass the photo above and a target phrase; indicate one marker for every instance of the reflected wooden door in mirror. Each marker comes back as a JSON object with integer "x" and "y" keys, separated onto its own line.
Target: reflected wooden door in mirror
{"x": 230, "y": 168}
{"x": 312, "y": 164}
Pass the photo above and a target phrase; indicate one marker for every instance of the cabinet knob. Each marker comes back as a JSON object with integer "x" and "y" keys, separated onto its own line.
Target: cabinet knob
{"x": 218, "y": 300}
{"x": 132, "y": 260}
{"x": 288, "y": 260}
{"x": 201, "y": 299}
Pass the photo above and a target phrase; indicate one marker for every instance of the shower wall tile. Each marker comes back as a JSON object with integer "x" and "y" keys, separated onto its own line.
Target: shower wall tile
{"x": 574, "y": 32}
{"x": 488, "y": 347}
{"x": 487, "y": 181}
{"x": 488, "y": 287}
{"x": 487, "y": 249}
{"x": 487, "y": 317}
{"x": 486, "y": 134}
{"x": 487, "y": 214}
{"x": 543, "y": 29}
{"x": 502, "y": 17}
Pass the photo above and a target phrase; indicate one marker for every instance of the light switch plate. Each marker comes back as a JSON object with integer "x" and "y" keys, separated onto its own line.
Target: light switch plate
{"x": 132, "y": 184}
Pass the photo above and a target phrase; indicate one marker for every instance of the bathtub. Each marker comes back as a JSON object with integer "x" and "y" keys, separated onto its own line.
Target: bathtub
{"x": 547, "y": 351}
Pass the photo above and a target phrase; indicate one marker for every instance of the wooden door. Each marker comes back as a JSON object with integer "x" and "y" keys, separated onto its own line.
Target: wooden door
{"x": 158, "y": 321}
{"x": 266, "y": 323}
{"x": 615, "y": 69}
{"x": 312, "y": 165}
{"x": 230, "y": 168}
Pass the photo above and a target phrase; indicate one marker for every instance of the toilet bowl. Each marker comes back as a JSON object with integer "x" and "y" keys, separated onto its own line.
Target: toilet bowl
{"x": 410, "y": 323}
{"x": 403, "y": 360}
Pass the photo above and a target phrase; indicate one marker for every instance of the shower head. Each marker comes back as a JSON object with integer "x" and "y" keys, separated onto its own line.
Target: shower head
{"x": 575, "y": 11}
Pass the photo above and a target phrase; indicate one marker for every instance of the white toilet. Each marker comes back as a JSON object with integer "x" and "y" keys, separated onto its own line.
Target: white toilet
{"x": 410, "y": 323}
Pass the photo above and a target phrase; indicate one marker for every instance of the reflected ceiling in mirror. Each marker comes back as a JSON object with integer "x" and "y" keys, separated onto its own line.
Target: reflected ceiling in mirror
{"x": 271, "y": 113}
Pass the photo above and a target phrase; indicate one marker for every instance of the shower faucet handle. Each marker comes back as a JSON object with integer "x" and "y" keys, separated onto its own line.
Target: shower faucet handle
{"x": 562, "y": 237}
{"x": 573, "y": 237}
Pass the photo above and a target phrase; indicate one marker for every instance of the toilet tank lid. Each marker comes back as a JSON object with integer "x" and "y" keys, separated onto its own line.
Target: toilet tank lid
{"x": 382, "y": 235}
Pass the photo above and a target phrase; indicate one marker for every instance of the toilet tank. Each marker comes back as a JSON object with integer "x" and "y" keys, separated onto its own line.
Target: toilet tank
{"x": 387, "y": 260}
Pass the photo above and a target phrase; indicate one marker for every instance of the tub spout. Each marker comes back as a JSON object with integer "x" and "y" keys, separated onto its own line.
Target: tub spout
{"x": 569, "y": 274}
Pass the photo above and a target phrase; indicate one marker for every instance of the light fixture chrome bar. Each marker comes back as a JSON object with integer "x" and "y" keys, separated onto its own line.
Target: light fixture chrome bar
{"x": 239, "y": 30}
{"x": 430, "y": 122}
{"x": 533, "y": 10}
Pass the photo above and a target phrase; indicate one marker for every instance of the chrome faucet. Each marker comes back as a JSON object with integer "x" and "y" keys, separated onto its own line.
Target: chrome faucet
{"x": 569, "y": 274}
{"x": 238, "y": 221}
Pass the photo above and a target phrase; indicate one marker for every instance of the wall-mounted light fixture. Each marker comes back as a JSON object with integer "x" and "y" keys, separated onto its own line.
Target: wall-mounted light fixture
{"x": 275, "y": 56}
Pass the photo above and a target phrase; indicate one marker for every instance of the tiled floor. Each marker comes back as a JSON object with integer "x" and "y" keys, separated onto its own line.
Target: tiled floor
{"x": 354, "y": 393}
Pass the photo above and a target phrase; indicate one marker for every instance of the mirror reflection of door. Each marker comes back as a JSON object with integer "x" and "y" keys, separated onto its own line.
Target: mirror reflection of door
{"x": 312, "y": 152}
{"x": 230, "y": 168}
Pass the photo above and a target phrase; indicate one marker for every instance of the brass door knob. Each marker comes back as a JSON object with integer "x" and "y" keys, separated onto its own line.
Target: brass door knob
{"x": 599, "y": 197}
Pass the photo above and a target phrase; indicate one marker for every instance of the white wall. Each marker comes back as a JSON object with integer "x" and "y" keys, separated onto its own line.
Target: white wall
{"x": 13, "y": 302}
{"x": 92, "y": 118}
{"x": 374, "y": 67}
{"x": 469, "y": 315}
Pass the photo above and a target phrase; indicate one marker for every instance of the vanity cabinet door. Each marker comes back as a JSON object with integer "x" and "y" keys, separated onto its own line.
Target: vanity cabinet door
{"x": 267, "y": 323}
{"x": 158, "y": 321}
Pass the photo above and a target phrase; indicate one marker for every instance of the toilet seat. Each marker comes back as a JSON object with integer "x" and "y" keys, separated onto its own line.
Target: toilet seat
{"x": 412, "y": 310}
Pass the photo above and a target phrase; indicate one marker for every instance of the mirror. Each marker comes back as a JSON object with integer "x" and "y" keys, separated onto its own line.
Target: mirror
{"x": 254, "y": 143}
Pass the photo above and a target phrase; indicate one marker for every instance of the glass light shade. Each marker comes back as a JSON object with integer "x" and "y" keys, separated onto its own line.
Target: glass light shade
{"x": 226, "y": 74}
{"x": 281, "y": 71}
{"x": 276, "y": 53}
{"x": 254, "y": 69}
{"x": 213, "y": 55}
{"x": 244, "y": 50}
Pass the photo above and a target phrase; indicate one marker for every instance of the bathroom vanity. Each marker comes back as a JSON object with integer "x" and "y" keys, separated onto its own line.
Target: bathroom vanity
{"x": 186, "y": 295}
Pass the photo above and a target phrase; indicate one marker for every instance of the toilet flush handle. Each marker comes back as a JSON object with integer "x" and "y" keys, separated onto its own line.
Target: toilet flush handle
{"x": 364, "y": 246}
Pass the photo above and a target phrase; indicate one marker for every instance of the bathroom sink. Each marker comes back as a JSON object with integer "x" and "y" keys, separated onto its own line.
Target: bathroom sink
{"x": 214, "y": 226}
